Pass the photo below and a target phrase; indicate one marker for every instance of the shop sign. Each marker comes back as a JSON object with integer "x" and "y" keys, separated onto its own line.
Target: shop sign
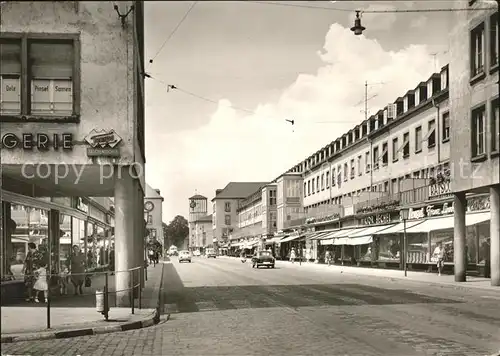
{"x": 439, "y": 189}
{"x": 82, "y": 205}
{"x": 103, "y": 143}
{"x": 430, "y": 210}
{"x": 376, "y": 219}
{"x": 478, "y": 204}
{"x": 41, "y": 141}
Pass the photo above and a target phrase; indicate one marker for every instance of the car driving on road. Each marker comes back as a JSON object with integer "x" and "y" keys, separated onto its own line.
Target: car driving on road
{"x": 210, "y": 253}
{"x": 184, "y": 256}
{"x": 263, "y": 258}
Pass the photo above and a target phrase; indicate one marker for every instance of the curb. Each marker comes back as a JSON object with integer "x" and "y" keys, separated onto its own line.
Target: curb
{"x": 64, "y": 334}
{"x": 150, "y": 320}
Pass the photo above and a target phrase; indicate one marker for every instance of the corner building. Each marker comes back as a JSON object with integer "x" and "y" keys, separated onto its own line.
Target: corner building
{"x": 72, "y": 116}
{"x": 475, "y": 131}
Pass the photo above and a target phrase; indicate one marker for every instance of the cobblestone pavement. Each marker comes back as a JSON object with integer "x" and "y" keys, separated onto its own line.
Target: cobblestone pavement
{"x": 224, "y": 307}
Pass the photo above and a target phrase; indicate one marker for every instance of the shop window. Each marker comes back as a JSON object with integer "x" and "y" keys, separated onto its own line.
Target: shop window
{"x": 10, "y": 77}
{"x": 388, "y": 249}
{"x": 446, "y": 126}
{"x": 478, "y": 138}
{"x": 418, "y": 248}
{"x": 25, "y": 225}
{"x": 477, "y": 50}
{"x": 418, "y": 139}
{"x": 495, "y": 126}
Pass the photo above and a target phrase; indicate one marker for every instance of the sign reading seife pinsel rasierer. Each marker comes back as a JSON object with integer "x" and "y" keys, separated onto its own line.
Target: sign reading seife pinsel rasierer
{"x": 103, "y": 143}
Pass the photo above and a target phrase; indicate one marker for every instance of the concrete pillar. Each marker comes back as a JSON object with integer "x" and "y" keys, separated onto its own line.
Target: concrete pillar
{"x": 495, "y": 234}
{"x": 124, "y": 234}
{"x": 459, "y": 257}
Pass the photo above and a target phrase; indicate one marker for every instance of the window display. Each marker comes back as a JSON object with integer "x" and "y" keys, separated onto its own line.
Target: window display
{"x": 418, "y": 248}
{"x": 389, "y": 248}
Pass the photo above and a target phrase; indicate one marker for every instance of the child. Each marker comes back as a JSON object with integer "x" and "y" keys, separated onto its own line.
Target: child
{"x": 41, "y": 283}
{"x": 64, "y": 280}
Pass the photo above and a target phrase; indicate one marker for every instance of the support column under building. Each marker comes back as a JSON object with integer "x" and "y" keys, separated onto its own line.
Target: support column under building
{"x": 459, "y": 255}
{"x": 495, "y": 235}
{"x": 124, "y": 234}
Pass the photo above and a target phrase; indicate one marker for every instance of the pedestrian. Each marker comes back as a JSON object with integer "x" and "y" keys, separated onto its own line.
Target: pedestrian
{"x": 77, "y": 269}
{"x": 439, "y": 257}
{"x": 29, "y": 270}
{"x": 41, "y": 284}
{"x": 151, "y": 255}
{"x": 328, "y": 257}
{"x": 293, "y": 255}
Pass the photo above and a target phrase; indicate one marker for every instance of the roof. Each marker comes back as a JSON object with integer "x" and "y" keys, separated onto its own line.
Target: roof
{"x": 239, "y": 190}
{"x": 198, "y": 196}
{"x": 204, "y": 218}
{"x": 151, "y": 193}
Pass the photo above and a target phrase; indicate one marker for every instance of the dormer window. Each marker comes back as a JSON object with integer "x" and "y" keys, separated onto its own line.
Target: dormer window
{"x": 399, "y": 107}
{"x": 436, "y": 85}
{"x": 423, "y": 93}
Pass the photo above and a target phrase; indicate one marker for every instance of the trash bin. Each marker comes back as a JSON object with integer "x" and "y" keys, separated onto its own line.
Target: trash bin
{"x": 100, "y": 303}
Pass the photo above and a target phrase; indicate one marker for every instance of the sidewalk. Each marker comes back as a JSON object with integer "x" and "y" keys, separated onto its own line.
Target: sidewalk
{"x": 72, "y": 316}
{"x": 422, "y": 277}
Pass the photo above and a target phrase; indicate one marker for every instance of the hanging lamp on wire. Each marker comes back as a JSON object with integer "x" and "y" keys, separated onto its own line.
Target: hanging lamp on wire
{"x": 357, "y": 28}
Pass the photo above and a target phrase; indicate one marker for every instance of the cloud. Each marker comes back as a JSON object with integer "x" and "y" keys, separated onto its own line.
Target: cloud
{"x": 418, "y": 22}
{"x": 237, "y": 146}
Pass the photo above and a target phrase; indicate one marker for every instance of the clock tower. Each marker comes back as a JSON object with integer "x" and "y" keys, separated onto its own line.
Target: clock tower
{"x": 197, "y": 207}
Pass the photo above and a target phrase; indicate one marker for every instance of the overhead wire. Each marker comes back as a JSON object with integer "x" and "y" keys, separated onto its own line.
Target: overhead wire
{"x": 174, "y": 31}
{"x": 328, "y": 8}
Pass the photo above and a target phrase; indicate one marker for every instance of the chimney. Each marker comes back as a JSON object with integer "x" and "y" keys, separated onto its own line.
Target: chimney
{"x": 158, "y": 191}
{"x": 217, "y": 191}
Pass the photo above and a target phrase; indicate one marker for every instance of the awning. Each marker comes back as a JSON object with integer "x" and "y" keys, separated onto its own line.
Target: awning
{"x": 273, "y": 240}
{"x": 320, "y": 234}
{"x": 292, "y": 238}
{"x": 477, "y": 218}
{"x": 352, "y": 241}
{"x": 448, "y": 222}
{"x": 347, "y": 232}
{"x": 370, "y": 230}
{"x": 398, "y": 228}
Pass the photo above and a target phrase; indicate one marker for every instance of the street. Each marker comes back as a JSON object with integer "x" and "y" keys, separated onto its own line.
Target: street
{"x": 224, "y": 307}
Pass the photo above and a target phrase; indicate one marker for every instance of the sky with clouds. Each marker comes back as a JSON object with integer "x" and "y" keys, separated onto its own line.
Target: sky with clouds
{"x": 242, "y": 69}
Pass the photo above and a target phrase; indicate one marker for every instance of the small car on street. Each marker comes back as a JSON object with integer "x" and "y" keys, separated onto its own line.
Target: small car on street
{"x": 184, "y": 256}
{"x": 263, "y": 258}
{"x": 210, "y": 253}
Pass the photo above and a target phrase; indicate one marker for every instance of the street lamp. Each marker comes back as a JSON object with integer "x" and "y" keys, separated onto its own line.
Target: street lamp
{"x": 357, "y": 28}
{"x": 403, "y": 214}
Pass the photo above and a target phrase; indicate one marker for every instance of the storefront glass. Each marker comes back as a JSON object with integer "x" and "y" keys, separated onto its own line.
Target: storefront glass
{"x": 483, "y": 231}
{"x": 65, "y": 241}
{"x": 78, "y": 236}
{"x": 91, "y": 239}
{"x": 26, "y": 225}
{"x": 388, "y": 248}
{"x": 418, "y": 248}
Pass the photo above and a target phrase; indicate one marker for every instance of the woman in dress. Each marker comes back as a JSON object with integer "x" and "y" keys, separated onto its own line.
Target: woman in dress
{"x": 77, "y": 269}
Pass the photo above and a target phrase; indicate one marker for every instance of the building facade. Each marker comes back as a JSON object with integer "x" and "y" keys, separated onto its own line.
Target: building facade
{"x": 203, "y": 234}
{"x": 153, "y": 214}
{"x": 225, "y": 205}
{"x": 72, "y": 117}
{"x": 198, "y": 206}
{"x": 475, "y": 131}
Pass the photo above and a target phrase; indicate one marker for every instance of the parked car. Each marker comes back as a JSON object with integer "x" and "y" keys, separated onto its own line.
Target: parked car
{"x": 196, "y": 253}
{"x": 210, "y": 253}
{"x": 184, "y": 256}
{"x": 263, "y": 258}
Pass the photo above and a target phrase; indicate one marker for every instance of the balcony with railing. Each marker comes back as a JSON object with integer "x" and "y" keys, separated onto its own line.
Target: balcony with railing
{"x": 382, "y": 202}
{"x": 323, "y": 213}
{"x": 436, "y": 189}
